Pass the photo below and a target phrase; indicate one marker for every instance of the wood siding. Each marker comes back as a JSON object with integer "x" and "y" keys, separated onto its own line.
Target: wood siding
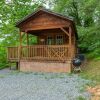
{"x": 44, "y": 21}
{"x": 52, "y": 33}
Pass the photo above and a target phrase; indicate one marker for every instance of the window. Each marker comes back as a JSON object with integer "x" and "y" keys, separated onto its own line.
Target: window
{"x": 50, "y": 40}
{"x": 59, "y": 39}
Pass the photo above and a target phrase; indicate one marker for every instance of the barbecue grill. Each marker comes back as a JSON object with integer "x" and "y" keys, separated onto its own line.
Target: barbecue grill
{"x": 77, "y": 62}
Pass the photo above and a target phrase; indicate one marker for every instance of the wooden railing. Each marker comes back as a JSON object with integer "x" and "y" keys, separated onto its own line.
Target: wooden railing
{"x": 13, "y": 53}
{"x": 40, "y": 52}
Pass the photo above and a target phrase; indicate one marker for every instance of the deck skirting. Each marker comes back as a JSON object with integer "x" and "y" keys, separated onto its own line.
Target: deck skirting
{"x": 33, "y": 66}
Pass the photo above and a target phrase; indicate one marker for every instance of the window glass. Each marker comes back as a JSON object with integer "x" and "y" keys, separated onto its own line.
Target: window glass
{"x": 59, "y": 39}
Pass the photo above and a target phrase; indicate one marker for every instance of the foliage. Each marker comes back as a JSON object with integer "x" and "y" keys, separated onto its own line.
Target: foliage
{"x": 10, "y": 13}
{"x": 86, "y": 14}
{"x": 81, "y": 98}
{"x": 3, "y": 63}
{"x": 89, "y": 40}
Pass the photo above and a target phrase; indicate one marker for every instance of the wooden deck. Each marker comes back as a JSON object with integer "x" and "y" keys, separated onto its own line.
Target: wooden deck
{"x": 39, "y": 52}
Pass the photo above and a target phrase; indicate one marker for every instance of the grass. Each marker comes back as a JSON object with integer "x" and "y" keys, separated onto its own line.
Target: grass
{"x": 2, "y": 76}
{"x": 80, "y": 98}
{"x": 14, "y": 72}
{"x": 2, "y": 66}
{"x": 92, "y": 71}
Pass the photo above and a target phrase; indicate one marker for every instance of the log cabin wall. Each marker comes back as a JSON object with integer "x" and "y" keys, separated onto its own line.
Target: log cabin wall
{"x": 43, "y": 35}
{"x": 43, "y": 20}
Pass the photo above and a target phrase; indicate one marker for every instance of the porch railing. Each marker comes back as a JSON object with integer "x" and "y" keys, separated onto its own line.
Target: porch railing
{"x": 39, "y": 52}
{"x": 13, "y": 53}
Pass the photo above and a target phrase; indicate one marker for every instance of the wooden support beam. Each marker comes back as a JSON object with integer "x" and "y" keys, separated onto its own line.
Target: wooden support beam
{"x": 27, "y": 38}
{"x": 74, "y": 43}
{"x": 64, "y": 31}
{"x": 70, "y": 41}
{"x": 19, "y": 50}
{"x": 20, "y": 37}
{"x": 22, "y": 34}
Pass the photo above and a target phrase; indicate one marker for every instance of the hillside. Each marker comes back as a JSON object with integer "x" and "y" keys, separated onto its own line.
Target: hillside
{"x": 92, "y": 71}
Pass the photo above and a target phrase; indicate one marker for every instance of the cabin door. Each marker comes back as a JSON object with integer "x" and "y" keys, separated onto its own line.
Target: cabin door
{"x": 50, "y": 40}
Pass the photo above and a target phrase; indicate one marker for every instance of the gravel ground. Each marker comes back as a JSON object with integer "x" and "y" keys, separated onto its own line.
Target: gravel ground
{"x": 41, "y": 86}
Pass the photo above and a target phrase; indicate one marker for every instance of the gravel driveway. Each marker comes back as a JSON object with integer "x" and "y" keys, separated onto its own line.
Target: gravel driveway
{"x": 41, "y": 86}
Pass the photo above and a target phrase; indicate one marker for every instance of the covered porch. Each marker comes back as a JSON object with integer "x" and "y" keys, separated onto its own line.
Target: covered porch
{"x": 50, "y": 45}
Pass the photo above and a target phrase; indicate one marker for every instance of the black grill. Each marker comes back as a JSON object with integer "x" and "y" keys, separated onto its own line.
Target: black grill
{"x": 78, "y": 60}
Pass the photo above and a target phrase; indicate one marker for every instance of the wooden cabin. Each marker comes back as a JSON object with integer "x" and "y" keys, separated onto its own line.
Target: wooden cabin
{"x": 55, "y": 45}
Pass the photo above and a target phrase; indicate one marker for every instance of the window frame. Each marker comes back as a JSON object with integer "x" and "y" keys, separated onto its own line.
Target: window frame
{"x": 59, "y": 40}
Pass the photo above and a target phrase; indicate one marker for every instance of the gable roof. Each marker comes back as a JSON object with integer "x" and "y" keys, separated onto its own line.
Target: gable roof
{"x": 44, "y": 10}
{"x": 49, "y": 12}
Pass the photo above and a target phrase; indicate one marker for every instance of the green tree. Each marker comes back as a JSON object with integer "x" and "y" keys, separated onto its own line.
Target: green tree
{"x": 86, "y": 14}
{"x": 10, "y": 13}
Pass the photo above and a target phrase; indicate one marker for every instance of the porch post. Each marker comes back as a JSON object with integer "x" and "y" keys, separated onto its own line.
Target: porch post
{"x": 70, "y": 41}
{"x": 20, "y": 38}
{"x": 19, "y": 49}
{"x": 27, "y": 38}
{"x": 74, "y": 40}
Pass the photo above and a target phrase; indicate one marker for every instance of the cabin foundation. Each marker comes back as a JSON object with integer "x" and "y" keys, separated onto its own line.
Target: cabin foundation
{"x": 34, "y": 66}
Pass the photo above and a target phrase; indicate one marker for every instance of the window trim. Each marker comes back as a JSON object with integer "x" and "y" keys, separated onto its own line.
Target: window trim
{"x": 60, "y": 40}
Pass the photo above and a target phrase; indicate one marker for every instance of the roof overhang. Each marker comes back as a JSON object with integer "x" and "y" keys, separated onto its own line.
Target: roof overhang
{"x": 49, "y": 12}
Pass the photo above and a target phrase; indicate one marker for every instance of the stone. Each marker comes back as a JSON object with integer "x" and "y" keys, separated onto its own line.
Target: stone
{"x": 95, "y": 98}
{"x": 97, "y": 93}
{"x": 92, "y": 90}
{"x": 98, "y": 90}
